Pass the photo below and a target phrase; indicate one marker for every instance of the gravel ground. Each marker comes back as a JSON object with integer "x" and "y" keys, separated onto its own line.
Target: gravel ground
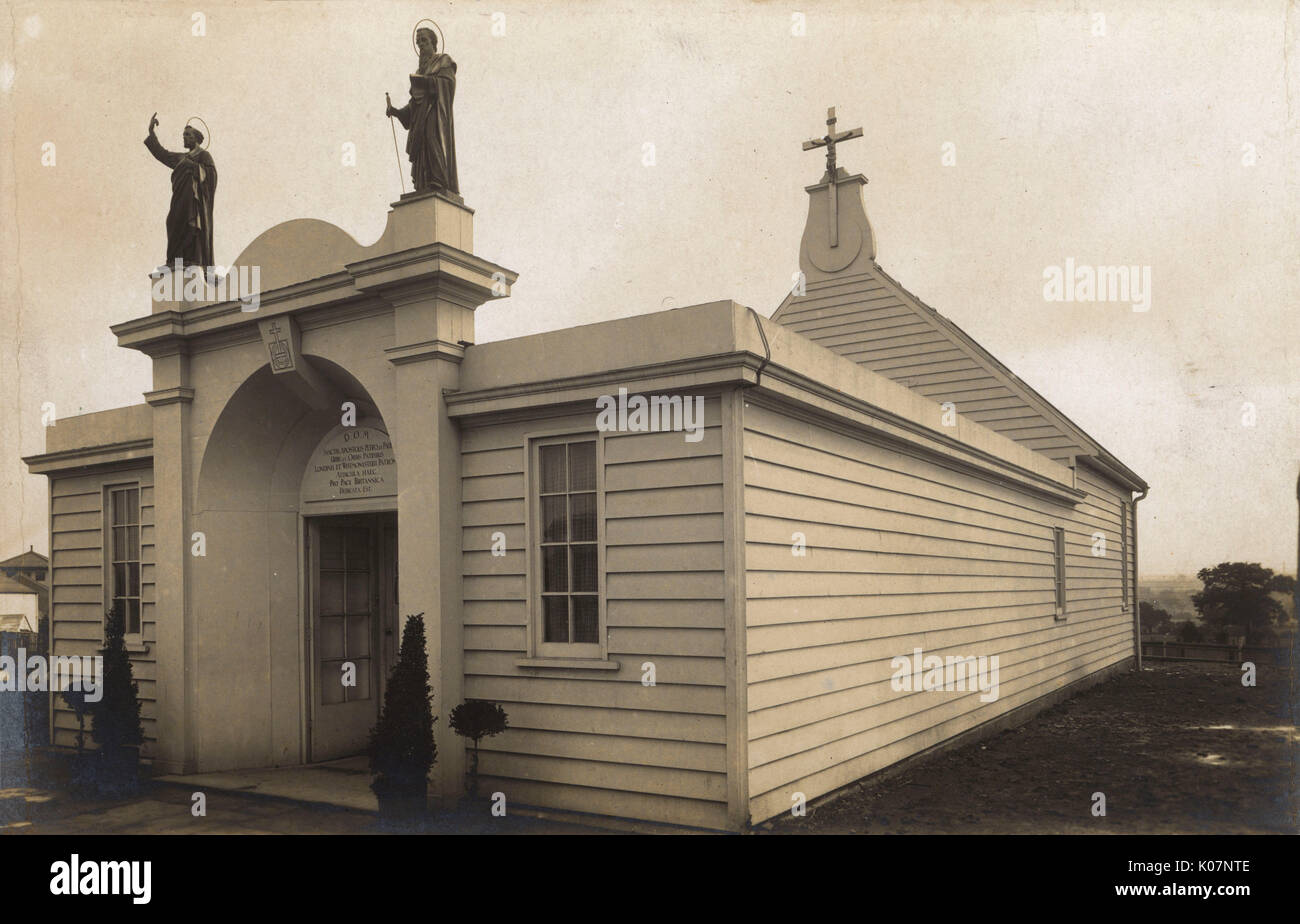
{"x": 1180, "y": 748}
{"x": 166, "y": 809}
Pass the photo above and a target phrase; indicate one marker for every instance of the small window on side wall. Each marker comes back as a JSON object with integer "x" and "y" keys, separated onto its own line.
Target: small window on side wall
{"x": 566, "y": 548}
{"x": 122, "y": 548}
{"x": 1058, "y": 545}
{"x": 1123, "y": 556}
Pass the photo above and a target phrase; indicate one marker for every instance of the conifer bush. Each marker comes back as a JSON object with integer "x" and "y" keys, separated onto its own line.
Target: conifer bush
{"x": 402, "y": 750}
{"x": 115, "y": 717}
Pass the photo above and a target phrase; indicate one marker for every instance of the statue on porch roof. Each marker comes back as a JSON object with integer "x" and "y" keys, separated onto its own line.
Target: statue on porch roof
{"x": 431, "y": 133}
{"x": 194, "y": 186}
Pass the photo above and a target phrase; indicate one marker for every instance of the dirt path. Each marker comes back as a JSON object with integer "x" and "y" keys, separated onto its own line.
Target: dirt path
{"x": 1179, "y": 748}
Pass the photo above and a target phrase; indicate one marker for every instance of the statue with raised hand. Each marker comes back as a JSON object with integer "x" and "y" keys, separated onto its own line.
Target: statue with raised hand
{"x": 194, "y": 186}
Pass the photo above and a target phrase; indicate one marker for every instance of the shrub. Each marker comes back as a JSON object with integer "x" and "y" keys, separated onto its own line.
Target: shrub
{"x": 402, "y": 750}
{"x": 116, "y": 716}
{"x": 476, "y": 719}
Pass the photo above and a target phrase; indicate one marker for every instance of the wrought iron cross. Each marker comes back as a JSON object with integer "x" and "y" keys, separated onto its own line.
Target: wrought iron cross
{"x": 828, "y": 141}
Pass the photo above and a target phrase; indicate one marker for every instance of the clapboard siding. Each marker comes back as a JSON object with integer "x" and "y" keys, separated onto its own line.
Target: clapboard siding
{"x": 600, "y": 741}
{"x": 836, "y": 757}
{"x": 77, "y": 594}
{"x": 902, "y": 553}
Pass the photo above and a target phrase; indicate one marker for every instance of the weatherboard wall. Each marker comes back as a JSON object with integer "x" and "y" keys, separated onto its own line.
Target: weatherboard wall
{"x": 901, "y": 553}
{"x": 600, "y": 740}
{"x": 78, "y": 599}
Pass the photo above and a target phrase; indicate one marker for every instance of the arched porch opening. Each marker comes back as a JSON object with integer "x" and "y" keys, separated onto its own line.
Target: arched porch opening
{"x": 290, "y": 597}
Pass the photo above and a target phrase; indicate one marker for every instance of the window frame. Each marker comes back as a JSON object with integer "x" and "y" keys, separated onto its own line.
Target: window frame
{"x": 109, "y": 557}
{"x": 374, "y": 593}
{"x": 1058, "y": 577}
{"x": 594, "y": 652}
{"x": 1126, "y": 600}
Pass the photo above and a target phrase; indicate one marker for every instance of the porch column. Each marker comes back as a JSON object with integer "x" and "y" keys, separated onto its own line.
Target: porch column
{"x": 429, "y": 539}
{"x": 434, "y": 287}
{"x": 173, "y": 483}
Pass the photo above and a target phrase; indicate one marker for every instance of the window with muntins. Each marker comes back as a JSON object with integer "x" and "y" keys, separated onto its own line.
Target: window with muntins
{"x": 124, "y": 553}
{"x": 567, "y": 550}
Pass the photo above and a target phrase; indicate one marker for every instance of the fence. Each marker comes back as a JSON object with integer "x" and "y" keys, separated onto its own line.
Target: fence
{"x": 1159, "y": 649}
{"x": 24, "y": 715}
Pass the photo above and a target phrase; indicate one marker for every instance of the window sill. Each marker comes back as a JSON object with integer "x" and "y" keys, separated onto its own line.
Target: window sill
{"x": 569, "y": 664}
{"x": 133, "y": 647}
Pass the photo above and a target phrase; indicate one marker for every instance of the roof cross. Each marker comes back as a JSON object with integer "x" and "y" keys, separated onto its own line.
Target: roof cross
{"x": 828, "y": 141}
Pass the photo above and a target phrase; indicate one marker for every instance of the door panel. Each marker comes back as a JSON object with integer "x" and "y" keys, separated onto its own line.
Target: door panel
{"x": 347, "y": 559}
{"x": 392, "y": 629}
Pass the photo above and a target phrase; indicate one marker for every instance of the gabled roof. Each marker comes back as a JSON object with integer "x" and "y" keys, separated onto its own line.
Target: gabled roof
{"x": 853, "y": 307}
{"x": 28, "y": 559}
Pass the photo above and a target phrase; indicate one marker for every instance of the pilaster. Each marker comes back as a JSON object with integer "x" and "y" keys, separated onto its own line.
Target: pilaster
{"x": 434, "y": 289}
{"x": 171, "y": 400}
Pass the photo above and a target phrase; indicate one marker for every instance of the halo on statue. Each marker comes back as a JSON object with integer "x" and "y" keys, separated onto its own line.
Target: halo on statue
{"x": 442, "y": 42}
{"x": 207, "y": 135}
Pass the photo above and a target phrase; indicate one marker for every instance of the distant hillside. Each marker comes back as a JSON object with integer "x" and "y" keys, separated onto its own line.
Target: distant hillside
{"x": 1173, "y": 592}
{"x": 1170, "y": 592}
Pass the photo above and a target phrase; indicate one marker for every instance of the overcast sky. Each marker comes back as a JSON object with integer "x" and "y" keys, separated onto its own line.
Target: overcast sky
{"x": 1158, "y": 135}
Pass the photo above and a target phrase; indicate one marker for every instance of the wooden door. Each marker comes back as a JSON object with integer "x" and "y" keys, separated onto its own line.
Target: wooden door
{"x": 344, "y": 638}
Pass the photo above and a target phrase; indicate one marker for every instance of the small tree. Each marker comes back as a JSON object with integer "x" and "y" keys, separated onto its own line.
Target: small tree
{"x": 1189, "y": 631}
{"x": 1156, "y": 620}
{"x": 477, "y": 719}
{"x": 116, "y": 716}
{"x": 402, "y": 750}
{"x": 1241, "y": 594}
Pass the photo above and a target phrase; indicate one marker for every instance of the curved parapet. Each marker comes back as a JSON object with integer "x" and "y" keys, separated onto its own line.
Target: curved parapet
{"x": 307, "y": 248}
{"x": 301, "y": 249}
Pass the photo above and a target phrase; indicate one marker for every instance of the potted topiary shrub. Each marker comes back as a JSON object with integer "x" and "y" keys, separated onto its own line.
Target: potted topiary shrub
{"x": 116, "y": 715}
{"x": 402, "y": 750}
{"x": 477, "y": 719}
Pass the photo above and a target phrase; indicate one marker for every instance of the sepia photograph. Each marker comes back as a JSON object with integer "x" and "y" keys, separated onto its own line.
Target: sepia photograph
{"x": 592, "y": 418}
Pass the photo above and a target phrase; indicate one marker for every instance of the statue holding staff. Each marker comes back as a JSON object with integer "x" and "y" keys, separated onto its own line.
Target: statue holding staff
{"x": 431, "y": 134}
